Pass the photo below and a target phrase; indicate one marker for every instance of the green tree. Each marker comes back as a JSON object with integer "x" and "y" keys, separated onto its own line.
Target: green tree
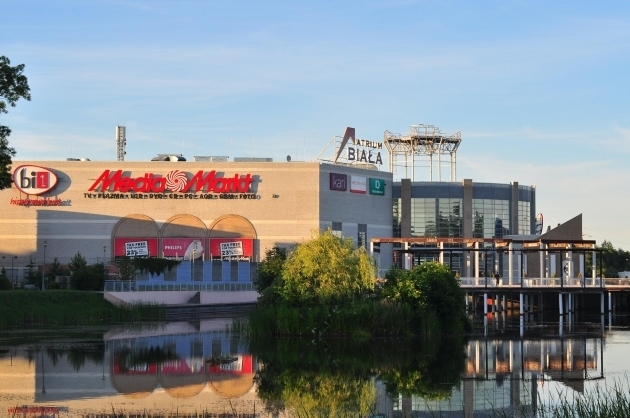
{"x": 84, "y": 276}
{"x": 13, "y": 86}
{"x": 33, "y": 276}
{"x": 326, "y": 269}
{"x": 55, "y": 269}
{"x": 126, "y": 268}
{"x": 271, "y": 267}
{"x": 5, "y": 282}
{"x": 610, "y": 260}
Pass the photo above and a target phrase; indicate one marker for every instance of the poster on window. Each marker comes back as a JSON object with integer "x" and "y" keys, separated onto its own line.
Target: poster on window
{"x": 232, "y": 249}
{"x": 183, "y": 248}
{"x": 135, "y": 247}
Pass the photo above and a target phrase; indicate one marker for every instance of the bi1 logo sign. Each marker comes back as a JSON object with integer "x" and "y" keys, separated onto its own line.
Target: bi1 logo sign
{"x": 34, "y": 180}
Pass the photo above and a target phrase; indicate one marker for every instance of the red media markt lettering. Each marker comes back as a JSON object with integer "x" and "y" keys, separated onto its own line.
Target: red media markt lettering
{"x": 116, "y": 181}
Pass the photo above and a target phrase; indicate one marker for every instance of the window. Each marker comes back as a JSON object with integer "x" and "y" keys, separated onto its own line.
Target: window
{"x": 336, "y": 229}
{"x": 362, "y": 236}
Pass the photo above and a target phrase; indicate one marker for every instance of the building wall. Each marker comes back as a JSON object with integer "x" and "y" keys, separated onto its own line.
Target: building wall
{"x": 291, "y": 200}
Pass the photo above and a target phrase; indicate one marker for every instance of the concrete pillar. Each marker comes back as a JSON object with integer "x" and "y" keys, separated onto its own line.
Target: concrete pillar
{"x": 560, "y": 303}
{"x": 571, "y": 273}
{"x": 510, "y": 264}
{"x": 520, "y": 305}
{"x": 441, "y": 247}
{"x": 542, "y": 257}
{"x": 469, "y": 400}
{"x": 504, "y": 307}
{"x": 466, "y": 300}
{"x": 602, "y": 305}
{"x": 570, "y": 301}
{"x": 485, "y": 303}
{"x": 476, "y": 263}
{"x": 407, "y": 258}
{"x": 609, "y": 301}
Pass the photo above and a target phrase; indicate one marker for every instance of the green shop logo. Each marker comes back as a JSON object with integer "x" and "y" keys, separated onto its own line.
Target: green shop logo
{"x": 377, "y": 187}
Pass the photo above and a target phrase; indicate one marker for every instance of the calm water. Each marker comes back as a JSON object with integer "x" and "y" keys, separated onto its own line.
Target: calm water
{"x": 509, "y": 364}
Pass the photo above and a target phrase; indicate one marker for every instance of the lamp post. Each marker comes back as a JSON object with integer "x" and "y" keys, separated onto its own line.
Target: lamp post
{"x": 104, "y": 270}
{"x": 13, "y": 272}
{"x": 192, "y": 270}
{"x": 44, "y": 272}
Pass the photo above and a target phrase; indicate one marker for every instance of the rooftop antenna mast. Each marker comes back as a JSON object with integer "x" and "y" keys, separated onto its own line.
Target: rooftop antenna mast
{"x": 121, "y": 142}
{"x": 418, "y": 147}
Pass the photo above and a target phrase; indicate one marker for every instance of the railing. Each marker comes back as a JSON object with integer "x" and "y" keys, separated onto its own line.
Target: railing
{"x": 130, "y": 286}
{"x": 541, "y": 282}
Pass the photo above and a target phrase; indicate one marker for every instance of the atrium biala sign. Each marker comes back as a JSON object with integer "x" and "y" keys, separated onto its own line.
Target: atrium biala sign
{"x": 34, "y": 180}
{"x": 175, "y": 181}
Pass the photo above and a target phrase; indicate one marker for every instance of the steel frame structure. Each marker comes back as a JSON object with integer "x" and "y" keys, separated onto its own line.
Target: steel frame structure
{"x": 420, "y": 145}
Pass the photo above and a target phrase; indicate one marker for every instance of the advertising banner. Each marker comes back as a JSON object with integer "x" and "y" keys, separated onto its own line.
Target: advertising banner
{"x": 377, "y": 187}
{"x": 231, "y": 249}
{"x": 357, "y": 184}
{"x": 241, "y": 364}
{"x": 135, "y": 247}
{"x": 338, "y": 182}
{"x": 183, "y": 248}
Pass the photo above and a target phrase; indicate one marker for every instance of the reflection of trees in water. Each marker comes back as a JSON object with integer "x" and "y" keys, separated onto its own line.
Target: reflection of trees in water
{"x": 335, "y": 377}
{"x": 78, "y": 356}
{"x": 128, "y": 359}
{"x": 431, "y": 372}
{"x": 54, "y": 355}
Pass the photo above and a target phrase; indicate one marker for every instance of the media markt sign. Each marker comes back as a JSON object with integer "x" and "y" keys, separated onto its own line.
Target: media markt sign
{"x": 377, "y": 187}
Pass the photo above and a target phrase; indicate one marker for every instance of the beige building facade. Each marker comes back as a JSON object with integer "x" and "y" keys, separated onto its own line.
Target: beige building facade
{"x": 201, "y": 211}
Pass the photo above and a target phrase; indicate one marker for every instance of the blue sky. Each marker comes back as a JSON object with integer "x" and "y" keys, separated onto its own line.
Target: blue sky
{"x": 538, "y": 89}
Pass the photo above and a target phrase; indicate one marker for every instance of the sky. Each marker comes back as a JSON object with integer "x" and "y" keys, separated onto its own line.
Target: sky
{"x": 538, "y": 89}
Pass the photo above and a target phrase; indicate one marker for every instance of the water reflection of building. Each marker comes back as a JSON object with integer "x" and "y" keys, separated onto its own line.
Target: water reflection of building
{"x": 505, "y": 374}
{"x": 183, "y": 364}
{"x": 159, "y": 370}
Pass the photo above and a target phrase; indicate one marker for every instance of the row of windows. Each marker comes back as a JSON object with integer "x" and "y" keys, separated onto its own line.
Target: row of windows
{"x": 442, "y": 217}
{"x": 361, "y": 233}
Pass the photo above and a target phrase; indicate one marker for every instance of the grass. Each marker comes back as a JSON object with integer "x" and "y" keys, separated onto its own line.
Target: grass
{"x": 30, "y": 308}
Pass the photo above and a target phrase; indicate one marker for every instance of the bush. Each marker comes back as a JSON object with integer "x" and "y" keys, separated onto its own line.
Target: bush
{"x": 431, "y": 287}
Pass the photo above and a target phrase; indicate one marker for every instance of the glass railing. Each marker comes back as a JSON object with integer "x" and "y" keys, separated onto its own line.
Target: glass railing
{"x": 130, "y": 286}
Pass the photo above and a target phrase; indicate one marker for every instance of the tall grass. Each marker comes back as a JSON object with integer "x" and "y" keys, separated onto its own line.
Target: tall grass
{"x": 602, "y": 402}
{"x": 20, "y": 308}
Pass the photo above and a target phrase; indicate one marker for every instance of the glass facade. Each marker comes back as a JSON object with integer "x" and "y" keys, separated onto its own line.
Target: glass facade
{"x": 436, "y": 217}
{"x": 491, "y": 218}
{"x": 437, "y": 210}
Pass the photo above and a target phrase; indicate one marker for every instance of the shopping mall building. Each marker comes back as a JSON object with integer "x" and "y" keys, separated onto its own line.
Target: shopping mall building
{"x": 221, "y": 217}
